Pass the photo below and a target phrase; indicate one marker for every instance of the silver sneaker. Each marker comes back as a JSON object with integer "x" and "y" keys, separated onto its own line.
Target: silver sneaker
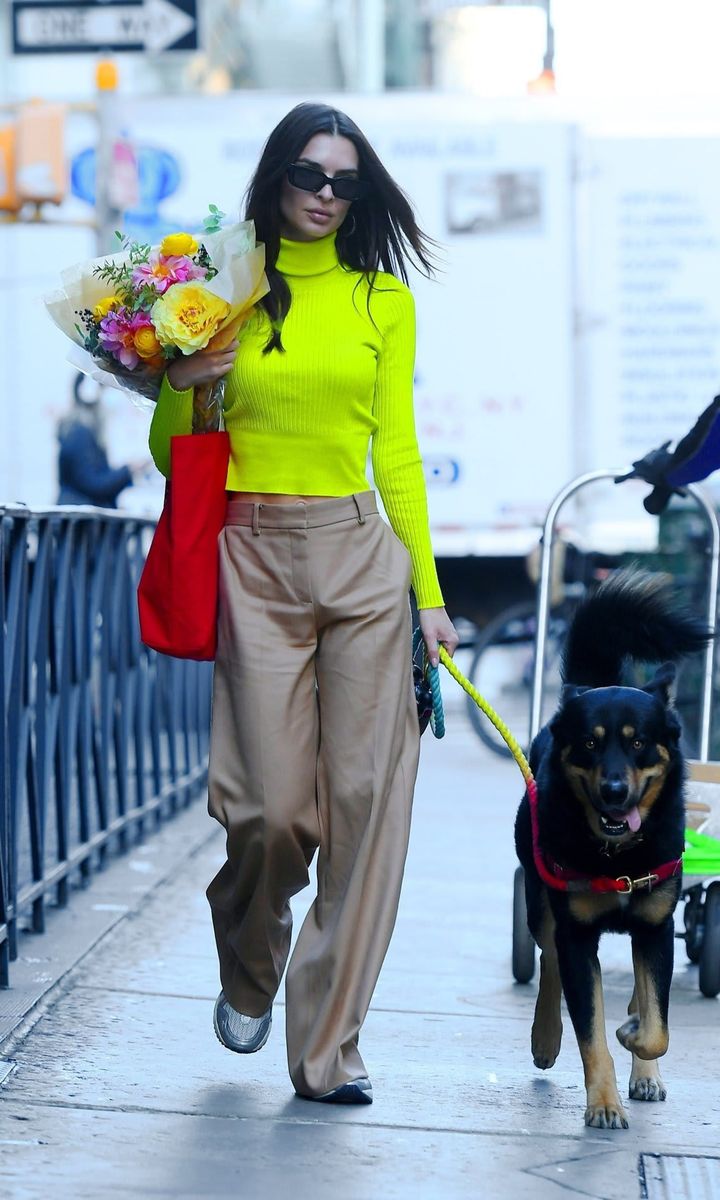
{"x": 237, "y": 1032}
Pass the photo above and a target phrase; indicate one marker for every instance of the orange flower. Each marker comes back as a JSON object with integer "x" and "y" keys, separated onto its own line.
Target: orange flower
{"x": 146, "y": 342}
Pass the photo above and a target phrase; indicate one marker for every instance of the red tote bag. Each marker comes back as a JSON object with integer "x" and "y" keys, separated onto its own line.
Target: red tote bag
{"x": 178, "y": 589}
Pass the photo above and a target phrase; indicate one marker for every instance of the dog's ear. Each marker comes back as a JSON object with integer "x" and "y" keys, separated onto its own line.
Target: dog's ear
{"x": 659, "y": 686}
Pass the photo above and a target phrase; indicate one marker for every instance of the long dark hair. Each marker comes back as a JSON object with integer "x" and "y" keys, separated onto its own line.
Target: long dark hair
{"x": 380, "y": 232}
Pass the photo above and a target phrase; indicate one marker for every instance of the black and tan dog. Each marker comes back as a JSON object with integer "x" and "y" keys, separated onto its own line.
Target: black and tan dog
{"x": 609, "y": 813}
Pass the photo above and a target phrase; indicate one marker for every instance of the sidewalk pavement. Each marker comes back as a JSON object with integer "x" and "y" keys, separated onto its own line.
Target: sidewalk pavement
{"x": 114, "y": 1084}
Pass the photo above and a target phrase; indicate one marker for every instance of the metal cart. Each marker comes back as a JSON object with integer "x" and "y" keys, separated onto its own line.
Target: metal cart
{"x": 701, "y": 892}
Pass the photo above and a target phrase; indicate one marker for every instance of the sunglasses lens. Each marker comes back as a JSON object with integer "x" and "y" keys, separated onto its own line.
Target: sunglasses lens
{"x": 347, "y": 189}
{"x": 306, "y": 178}
{"x": 310, "y": 180}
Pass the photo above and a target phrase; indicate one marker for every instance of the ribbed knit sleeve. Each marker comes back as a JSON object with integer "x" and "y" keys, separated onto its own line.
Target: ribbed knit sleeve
{"x": 397, "y": 465}
{"x": 173, "y": 415}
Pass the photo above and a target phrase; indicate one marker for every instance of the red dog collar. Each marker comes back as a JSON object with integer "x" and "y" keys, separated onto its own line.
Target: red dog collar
{"x": 565, "y": 880}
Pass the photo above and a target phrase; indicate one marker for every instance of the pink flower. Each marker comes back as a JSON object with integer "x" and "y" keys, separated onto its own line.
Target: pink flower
{"x": 163, "y": 270}
{"x": 131, "y": 339}
{"x": 117, "y": 336}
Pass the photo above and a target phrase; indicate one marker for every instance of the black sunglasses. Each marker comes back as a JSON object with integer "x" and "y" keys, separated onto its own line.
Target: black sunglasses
{"x": 311, "y": 179}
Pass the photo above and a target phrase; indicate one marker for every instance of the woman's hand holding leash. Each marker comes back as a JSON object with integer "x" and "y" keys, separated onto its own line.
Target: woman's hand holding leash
{"x": 437, "y": 628}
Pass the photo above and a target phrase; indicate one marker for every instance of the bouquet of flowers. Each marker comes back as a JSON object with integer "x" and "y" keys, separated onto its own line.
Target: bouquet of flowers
{"x": 131, "y": 313}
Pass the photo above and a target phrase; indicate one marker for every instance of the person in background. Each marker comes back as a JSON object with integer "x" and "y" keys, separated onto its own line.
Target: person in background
{"x": 85, "y": 475}
{"x": 315, "y": 735}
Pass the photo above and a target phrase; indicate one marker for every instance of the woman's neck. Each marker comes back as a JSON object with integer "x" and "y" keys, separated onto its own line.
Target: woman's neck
{"x": 307, "y": 258}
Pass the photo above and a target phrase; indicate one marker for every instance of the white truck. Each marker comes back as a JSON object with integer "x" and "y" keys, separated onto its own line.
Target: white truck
{"x": 573, "y": 323}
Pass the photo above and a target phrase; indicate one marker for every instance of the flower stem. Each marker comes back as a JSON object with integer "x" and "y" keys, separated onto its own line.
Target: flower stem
{"x": 207, "y": 406}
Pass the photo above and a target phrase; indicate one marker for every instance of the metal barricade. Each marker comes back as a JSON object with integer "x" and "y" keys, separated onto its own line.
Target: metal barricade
{"x": 101, "y": 738}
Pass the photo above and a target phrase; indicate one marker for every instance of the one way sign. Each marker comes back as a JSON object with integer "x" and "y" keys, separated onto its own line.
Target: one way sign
{"x": 59, "y": 27}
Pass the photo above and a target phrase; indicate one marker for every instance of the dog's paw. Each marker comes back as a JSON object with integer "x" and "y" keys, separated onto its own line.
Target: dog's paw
{"x": 545, "y": 1046}
{"x": 544, "y": 1054}
{"x": 646, "y": 1086}
{"x": 543, "y": 1060}
{"x": 606, "y": 1116}
{"x": 627, "y": 1033}
{"x": 644, "y": 1043}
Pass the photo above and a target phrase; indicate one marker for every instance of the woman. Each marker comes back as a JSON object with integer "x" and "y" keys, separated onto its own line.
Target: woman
{"x": 315, "y": 730}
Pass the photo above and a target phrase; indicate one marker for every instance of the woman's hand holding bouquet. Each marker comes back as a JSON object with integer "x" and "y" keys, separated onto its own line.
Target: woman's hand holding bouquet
{"x": 202, "y": 367}
{"x": 176, "y": 307}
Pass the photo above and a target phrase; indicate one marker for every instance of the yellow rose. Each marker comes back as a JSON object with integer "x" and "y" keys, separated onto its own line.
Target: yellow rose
{"x": 103, "y": 307}
{"x": 145, "y": 342}
{"x": 187, "y": 316}
{"x": 178, "y": 243}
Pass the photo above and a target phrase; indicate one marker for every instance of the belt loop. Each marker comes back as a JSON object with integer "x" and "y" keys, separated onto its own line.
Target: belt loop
{"x": 361, "y": 517}
{"x": 256, "y": 520}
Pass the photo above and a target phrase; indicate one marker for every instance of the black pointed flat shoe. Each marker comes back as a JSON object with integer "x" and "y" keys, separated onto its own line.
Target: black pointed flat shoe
{"x": 359, "y": 1091}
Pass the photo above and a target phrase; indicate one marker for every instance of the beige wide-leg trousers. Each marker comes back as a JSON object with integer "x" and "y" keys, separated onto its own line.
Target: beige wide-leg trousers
{"x": 314, "y": 744}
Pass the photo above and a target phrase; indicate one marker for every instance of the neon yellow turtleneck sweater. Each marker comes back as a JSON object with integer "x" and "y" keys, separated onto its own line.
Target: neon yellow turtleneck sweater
{"x": 300, "y": 421}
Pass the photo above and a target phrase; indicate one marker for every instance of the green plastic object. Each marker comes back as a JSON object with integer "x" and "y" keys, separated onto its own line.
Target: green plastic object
{"x": 702, "y": 854}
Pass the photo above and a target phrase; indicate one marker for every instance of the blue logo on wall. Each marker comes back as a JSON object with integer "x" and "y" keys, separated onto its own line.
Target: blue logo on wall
{"x": 158, "y": 177}
{"x": 441, "y": 471}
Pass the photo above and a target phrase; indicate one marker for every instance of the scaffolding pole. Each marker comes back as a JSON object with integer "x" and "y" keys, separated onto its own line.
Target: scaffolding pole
{"x": 370, "y": 29}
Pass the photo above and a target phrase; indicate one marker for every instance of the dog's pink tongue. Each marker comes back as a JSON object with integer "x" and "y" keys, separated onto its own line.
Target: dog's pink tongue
{"x": 633, "y": 819}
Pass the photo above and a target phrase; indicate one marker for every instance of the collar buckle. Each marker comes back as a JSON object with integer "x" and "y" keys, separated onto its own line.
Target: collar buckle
{"x": 634, "y": 885}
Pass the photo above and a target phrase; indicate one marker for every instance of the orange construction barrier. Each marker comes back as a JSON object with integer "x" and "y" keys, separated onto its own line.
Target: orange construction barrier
{"x": 9, "y": 199}
{"x": 40, "y": 172}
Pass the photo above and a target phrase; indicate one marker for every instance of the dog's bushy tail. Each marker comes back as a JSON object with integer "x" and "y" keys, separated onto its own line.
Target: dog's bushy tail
{"x": 632, "y": 615}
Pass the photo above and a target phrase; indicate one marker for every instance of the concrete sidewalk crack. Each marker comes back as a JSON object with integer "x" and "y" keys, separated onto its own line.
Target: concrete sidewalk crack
{"x": 399, "y": 1127}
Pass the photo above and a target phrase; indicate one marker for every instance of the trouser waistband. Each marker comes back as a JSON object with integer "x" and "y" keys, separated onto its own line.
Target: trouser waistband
{"x": 301, "y": 514}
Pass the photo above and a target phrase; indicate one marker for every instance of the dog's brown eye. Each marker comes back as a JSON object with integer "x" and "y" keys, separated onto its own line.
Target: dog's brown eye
{"x": 637, "y": 744}
{"x": 589, "y": 743}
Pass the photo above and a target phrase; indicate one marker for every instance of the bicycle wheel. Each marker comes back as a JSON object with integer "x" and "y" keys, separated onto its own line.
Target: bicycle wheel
{"x": 709, "y": 977}
{"x": 502, "y": 671}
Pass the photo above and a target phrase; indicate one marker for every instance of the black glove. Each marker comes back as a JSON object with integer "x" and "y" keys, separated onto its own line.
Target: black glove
{"x": 653, "y": 469}
{"x": 695, "y": 457}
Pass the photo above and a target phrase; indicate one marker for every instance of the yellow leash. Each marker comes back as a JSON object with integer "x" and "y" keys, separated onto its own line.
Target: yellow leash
{"x": 490, "y": 713}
